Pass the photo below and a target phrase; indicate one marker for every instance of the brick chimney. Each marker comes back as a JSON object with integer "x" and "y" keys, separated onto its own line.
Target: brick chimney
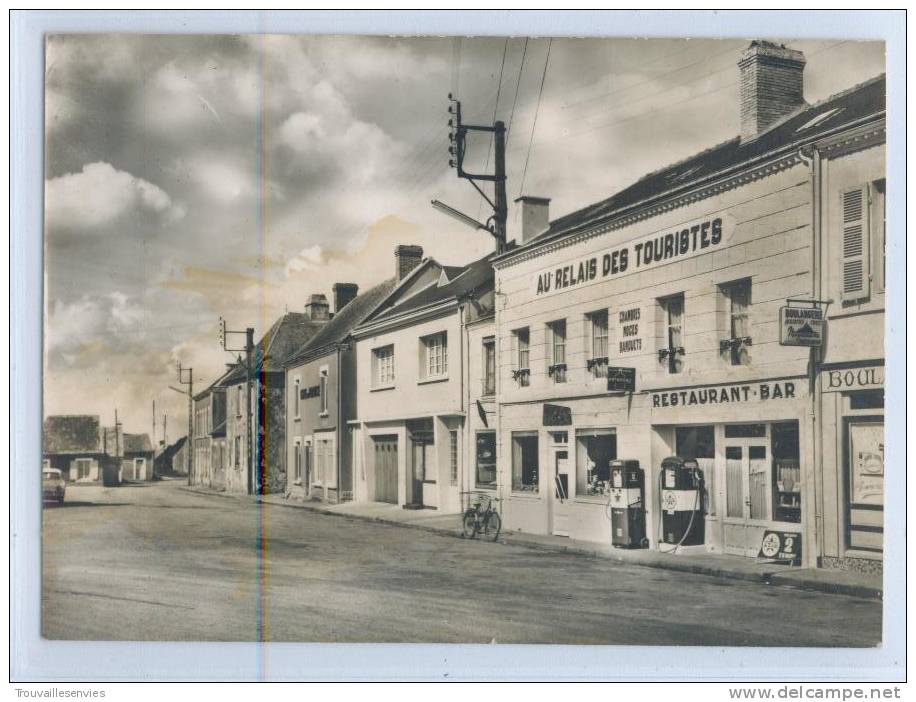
{"x": 344, "y": 294}
{"x": 535, "y": 216}
{"x": 316, "y": 309}
{"x": 406, "y": 257}
{"x": 771, "y": 85}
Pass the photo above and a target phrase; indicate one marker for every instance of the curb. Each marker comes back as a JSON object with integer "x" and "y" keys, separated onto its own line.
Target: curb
{"x": 784, "y": 579}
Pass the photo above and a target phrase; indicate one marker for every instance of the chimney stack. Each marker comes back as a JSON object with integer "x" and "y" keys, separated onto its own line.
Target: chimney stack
{"x": 343, "y": 295}
{"x": 771, "y": 85}
{"x": 316, "y": 309}
{"x": 406, "y": 257}
{"x": 535, "y": 216}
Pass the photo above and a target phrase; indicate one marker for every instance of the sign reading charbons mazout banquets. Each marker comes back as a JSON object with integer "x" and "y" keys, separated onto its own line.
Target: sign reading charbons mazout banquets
{"x": 684, "y": 242}
{"x": 801, "y": 326}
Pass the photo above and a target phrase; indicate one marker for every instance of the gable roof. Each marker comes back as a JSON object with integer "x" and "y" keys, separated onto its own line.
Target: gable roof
{"x": 801, "y": 127}
{"x": 71, "y": 433}
{"x": 137, "y": 443}
{"x": 474, "y": 278}
{"x": 343, "y": 323}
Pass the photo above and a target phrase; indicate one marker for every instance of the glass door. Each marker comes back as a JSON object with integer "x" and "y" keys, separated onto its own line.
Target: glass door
{"x": 748, "y": 493}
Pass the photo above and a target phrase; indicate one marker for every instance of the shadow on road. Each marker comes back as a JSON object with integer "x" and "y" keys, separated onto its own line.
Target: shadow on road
{"x": 79, "y": 503}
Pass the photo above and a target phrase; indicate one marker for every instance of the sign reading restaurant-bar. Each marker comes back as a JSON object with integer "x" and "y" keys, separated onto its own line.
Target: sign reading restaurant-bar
{"x": 684, "y": 242}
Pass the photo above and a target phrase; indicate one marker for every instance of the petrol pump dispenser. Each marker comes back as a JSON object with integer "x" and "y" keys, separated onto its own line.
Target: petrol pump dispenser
{"x": 628, "y": 515}
{"x": 682, "y": 502}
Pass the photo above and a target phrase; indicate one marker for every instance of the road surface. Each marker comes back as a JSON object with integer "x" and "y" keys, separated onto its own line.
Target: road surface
{"x": 156, "y": 562}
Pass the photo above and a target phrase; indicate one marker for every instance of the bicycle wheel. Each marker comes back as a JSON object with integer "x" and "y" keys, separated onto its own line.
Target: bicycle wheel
{"x": 469, "y": 524}
{"x": 492, "y": 526}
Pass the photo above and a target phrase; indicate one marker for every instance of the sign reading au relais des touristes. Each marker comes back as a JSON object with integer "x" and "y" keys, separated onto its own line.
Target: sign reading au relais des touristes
{"x": 677, "y": 244}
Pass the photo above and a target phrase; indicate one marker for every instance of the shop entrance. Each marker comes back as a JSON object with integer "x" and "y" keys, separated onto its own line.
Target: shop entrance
{"x": 747, "y": 486}
{"x": 559, "y": 500}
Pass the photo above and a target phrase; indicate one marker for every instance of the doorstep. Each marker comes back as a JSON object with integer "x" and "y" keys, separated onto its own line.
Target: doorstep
{"x": 690, "y": 561}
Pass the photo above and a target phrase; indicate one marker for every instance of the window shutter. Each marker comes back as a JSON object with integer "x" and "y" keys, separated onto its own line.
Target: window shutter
{"x": 855, "y": 278}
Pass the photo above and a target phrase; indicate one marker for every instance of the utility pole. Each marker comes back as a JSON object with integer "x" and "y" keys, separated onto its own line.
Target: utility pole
{"x": 249, "y": 372}
{"x": 165, "y": 430}
{"x": 154, "y": 426}
{"x": 458, "y": 131}
{"x": 190, "y": 392}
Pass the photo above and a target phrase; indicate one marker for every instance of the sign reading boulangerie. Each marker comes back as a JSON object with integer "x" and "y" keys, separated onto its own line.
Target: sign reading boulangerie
{"x": 684, "y": 242}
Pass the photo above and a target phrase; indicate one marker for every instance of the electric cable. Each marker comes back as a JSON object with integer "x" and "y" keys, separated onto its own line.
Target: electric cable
{"x": 534, "y": 123}
{"x": 518, "y": 80}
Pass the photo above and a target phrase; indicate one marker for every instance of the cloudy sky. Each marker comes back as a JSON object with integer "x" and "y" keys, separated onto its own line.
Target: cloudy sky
{"x": 189, "y": 177}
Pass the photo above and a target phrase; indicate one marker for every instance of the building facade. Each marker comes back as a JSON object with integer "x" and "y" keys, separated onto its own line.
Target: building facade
{"x": 210, "y": 455}
{"x": 321, "y": 400}
{"x": 850, "y": 171}
{"x": 676, "y": 282}
{"x": 137, "y": 458}
{"x": 413, "y": 391}
{"x": 82, "y": 449}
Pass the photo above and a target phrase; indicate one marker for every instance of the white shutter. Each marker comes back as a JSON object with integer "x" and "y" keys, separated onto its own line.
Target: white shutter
{"x": 854, "y": 268}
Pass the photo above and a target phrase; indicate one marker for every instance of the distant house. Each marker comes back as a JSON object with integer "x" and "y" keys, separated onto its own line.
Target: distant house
{"x": 210, "y": 458}
{"x": 164, "y": 463}
{"x": 137, "y": 458}
{"x": 82, "y": 449}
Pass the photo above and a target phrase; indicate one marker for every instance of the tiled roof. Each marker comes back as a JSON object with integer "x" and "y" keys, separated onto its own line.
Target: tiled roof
{"x": 476, "y": 277}
{"x": 343, "y": 322}
{"x": 71, "y": 433}
{"x": 803, "y": 126}
{"x": 137, "y": 443}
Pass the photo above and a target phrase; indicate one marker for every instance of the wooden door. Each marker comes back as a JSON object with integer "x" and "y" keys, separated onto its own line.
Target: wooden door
{"x": 386, "y": 469}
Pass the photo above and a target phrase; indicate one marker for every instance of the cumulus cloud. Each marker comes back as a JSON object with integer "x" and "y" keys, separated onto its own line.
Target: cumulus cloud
{"x": 100, "y": 194}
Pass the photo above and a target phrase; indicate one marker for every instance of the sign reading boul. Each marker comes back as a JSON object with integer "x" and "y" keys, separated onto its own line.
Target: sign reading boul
{"x": 801, "y": 326}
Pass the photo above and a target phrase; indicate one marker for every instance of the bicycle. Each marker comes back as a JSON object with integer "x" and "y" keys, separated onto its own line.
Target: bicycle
{"x": 481, "y": 518}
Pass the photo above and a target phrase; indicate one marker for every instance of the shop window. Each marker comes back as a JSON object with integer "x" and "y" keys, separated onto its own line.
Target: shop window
{"x": 864, "y": 454}
{"x": 672, "y": 355}
{"x": 383, "y": 366}
{"x": 595, "y": 449}
{"x": 489, "y": 367}
{"x": 598, "y": 324}
{"x": 737, "y": 299}
{"x": 486, "y": 459}
{"x": 434, "y": 356}
{"x": 522, "y": 340}
{"x": 699, "y": 443}
{"x": 745, "y": 431}
{"x": 557, "y": 340}
{"x": 786, "y": 472}
{"x": 525, "y": 462}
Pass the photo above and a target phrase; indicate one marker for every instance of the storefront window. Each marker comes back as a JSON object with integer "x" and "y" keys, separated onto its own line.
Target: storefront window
{"x": 525, "y": 462}
{"x": 595, "y": 449}
{"x": 700, "y": 443}
{"x": 786, "y": 472}
{"x": 486, "y": 459}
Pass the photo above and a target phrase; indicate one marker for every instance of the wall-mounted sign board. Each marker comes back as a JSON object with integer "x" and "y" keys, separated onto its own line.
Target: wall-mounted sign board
{"x": 801, "y": 326}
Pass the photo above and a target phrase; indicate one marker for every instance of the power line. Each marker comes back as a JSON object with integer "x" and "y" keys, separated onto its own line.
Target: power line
{"x": 534, "y": 123}
{"x": 521, "y": 67}
{"x": 499, "y": 87}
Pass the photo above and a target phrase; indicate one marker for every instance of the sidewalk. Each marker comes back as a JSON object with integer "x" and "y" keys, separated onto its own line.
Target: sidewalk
{"x": 701, "y": 563}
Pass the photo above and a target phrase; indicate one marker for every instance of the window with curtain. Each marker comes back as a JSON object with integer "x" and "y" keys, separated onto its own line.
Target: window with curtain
{"x": 383, "y": 366}
{"x": 522, "y": 372}
{"x": 598, "y": 325}
{"x": 557, "y": 334}
{"x": 737, "y": 296}
{"x": 436, "y": 355}
{"x": 489, "y": 367}
{"x": 673, "y": 311}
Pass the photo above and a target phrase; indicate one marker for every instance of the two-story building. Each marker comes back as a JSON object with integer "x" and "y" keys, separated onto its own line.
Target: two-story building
{"x": 321, "y": 399}
{"x": 210, "y": 454}
{"x": 414, "y": 393}
{"x": 849, "y": 171}
{"x": 677, "y": 280}
{"x": 261, "y": 469}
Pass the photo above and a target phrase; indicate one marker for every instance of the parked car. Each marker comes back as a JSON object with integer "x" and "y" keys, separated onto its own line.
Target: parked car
{"x": 53, "y": 486}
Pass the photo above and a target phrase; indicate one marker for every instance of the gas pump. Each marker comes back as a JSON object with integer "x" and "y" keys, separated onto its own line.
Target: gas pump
{"x": 682, "y": 502}
{"x": 628, "y": 515}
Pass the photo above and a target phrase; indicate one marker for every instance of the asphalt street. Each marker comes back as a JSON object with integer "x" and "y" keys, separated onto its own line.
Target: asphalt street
{"x": 155, "y": 562}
